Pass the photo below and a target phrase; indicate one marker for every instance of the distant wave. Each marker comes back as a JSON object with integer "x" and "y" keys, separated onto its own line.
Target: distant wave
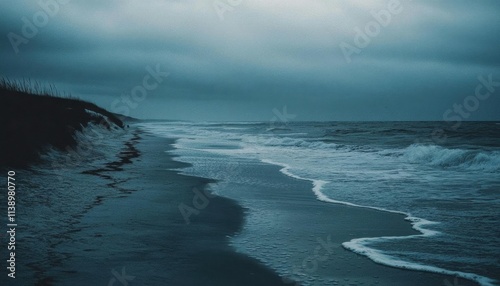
{"x": 361, "y": 245}
{"x": 453, "y": 158}
{"x": 277, "y": 129}
{"x": 288, "y": 142}
{"x": 431, "y": 155}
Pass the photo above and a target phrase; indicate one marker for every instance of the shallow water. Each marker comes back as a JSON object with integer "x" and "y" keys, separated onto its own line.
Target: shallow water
{"x": 447, "y": 185}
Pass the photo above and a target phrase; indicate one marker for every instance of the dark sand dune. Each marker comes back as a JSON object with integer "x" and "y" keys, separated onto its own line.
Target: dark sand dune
{"x": 29, "y": 122}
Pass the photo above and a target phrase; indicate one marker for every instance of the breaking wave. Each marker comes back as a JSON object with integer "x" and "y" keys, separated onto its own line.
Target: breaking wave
{"x": 438, "y": 156}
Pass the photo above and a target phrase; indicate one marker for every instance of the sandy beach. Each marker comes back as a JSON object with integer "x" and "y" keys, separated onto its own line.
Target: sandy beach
{"x": 304, "y": 237}
{"x": 143, "y": 234}
{"x": 268, "y": 229}
{"x": 242, "y": 143}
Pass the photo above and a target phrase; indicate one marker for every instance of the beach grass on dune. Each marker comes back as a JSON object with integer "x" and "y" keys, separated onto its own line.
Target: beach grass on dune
{"x": 35, "y": 116}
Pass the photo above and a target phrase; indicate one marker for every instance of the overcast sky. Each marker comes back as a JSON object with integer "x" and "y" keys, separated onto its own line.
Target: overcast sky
{"x": 240, "y": 59}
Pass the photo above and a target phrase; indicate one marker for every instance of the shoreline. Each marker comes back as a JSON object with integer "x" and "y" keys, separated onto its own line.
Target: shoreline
{"x": 144, "y": 233}
{"x": 265, "y": 231}
{"x": 277, "y": 233}
{"x": 362, "y": 247}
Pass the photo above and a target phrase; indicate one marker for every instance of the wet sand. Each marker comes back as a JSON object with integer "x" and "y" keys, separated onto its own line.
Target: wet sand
{"x": 144, "y": 235}
{"x": 302, "y": 237}
{"x": 266, "y": 229}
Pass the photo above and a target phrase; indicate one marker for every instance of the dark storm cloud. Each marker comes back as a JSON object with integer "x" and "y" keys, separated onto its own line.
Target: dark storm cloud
{"x": 263, "y": 55}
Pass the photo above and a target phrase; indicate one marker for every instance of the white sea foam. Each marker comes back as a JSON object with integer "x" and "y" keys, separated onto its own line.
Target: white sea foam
{"x": 361, "y": 245}
{"x": 453, "y": 158}
{"x": 311, "y": 160}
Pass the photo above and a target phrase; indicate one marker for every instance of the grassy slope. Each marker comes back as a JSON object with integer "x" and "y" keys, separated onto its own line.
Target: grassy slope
{"x": 29, "y": 122}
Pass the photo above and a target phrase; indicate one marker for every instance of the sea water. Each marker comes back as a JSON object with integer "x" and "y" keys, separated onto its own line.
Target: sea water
{"x": 444, "y": 178}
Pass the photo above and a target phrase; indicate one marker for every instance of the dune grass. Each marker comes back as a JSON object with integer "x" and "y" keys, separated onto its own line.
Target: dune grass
{"x": 34, "y": 116}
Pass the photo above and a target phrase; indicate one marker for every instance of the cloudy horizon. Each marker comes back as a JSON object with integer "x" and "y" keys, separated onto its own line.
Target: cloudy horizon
{"x": 243, "y": 60}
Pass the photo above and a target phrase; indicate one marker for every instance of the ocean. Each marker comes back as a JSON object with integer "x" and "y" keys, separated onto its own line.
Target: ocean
{"x": 444, "y": 178}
